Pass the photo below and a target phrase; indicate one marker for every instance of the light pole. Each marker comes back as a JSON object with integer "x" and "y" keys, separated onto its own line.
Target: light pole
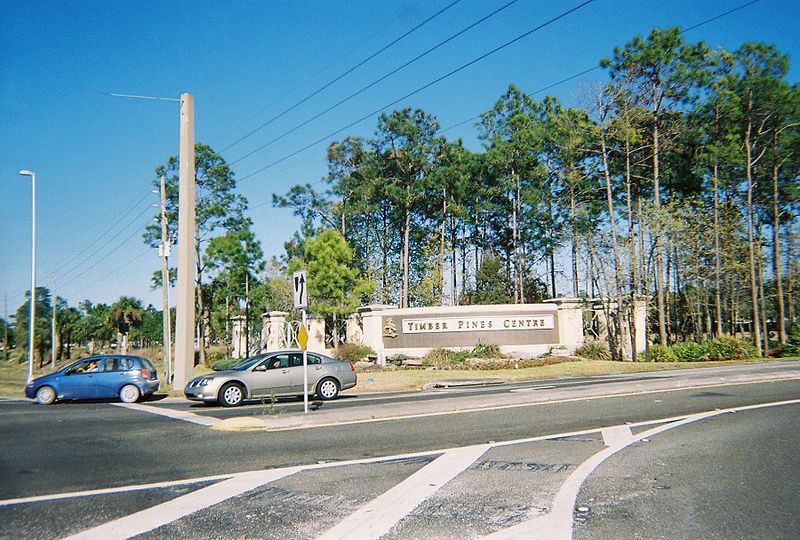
{"x": 32, "y": 324}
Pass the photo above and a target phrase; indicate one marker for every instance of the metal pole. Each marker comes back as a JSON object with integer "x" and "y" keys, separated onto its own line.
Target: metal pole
{"x": 305, "y": 371}
{"x": 53, "y": 325}
{"x": 165, "y": 253}
{"x": 184, "y": 305}
{"x": 32, "y": 332}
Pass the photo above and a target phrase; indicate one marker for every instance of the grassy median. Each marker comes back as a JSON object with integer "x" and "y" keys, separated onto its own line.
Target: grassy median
{"x": 13, "y": 374}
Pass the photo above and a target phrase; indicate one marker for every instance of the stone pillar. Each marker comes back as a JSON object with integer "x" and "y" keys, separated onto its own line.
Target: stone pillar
{"x": 570, "y": 322}
{"x": 272, "y": 330}
{"x": 316, "y": 333}
{"x": 371, "y": 320}
{"x": 238, "y": 341}
{"x": 354, "y": 332}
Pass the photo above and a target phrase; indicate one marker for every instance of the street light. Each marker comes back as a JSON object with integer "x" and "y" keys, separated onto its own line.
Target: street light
{"x": 32, "y": 334}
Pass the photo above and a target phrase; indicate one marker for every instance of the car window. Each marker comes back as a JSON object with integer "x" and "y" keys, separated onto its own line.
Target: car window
{"x": 314, "y": 359}
{"x": 278, "y": 361}
{"x": 125, "y": 364}
{"x": 110, "y": 364}
{"x": 87, "y": 366}
{"x": 147, "y": 364}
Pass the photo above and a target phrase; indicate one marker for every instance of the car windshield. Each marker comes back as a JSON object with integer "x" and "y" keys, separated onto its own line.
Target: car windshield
{"x": 247, "y": 363}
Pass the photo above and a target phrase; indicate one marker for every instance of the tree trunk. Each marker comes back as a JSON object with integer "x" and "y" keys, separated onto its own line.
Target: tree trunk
{"x": 754, "y": 327}
{"x": 613, "y": 225}
{"x": 660, "y": 297}
{"x": 776, "y": 251}
{"x": 573, "y": 212}
{"x": 634, "y": 285}
{"x": 762, "y": 297}
{"x": 717, "y": 254}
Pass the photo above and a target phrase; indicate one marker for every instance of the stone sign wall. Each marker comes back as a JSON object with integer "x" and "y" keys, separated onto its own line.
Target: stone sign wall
{"x": 523, "y": 329}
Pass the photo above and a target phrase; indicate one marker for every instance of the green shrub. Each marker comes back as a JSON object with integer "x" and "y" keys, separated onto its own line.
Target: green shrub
{"x": 593, "y": 350}
{"x": 225, "y": 363}
{"x": 659, "y": 353}
{"x": 728, "y": 348}
{"x": 486, "y": 350}
{"x": 689, "y": 351}
{"x": 441, "y": 357}
{"x": 354, "y": 352}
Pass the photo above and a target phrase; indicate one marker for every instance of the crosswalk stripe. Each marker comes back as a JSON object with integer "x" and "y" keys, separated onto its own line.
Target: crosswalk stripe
{"x": 377, "y": 517}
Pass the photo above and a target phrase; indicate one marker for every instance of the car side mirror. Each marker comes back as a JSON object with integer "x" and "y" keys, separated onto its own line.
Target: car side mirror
{"x": 260, "y": 368}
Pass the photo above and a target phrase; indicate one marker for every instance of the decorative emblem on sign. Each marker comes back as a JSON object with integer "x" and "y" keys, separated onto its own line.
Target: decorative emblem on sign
{"x": 390, "y": 330}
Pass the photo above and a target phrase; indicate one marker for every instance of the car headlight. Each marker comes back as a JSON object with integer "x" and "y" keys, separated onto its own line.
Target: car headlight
{"x": 205, "y": 380}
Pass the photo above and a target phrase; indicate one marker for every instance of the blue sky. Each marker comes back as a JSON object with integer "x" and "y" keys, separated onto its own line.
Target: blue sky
{"x": 244, "y": 62}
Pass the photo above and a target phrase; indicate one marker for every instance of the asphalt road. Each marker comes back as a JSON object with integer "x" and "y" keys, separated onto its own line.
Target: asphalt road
{"x": 484, "y": 473}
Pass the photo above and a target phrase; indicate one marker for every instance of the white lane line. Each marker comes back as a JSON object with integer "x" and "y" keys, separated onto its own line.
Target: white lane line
{"x": 111, "y": 491}
{"x": 615, "y": 435}
{"x": 557, "y": 523}
{"x": 162, "y": 514}
{"x": 171, "y": 413}
{"x": 377, "y": 517}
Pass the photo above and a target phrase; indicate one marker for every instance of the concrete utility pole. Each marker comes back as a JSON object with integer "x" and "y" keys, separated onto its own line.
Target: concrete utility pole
{"x": 184, "y": 317}
{"x": 165, "y": 249}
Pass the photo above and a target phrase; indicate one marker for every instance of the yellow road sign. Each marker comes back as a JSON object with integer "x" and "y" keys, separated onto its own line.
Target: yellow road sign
{"x": 302, "y": 337}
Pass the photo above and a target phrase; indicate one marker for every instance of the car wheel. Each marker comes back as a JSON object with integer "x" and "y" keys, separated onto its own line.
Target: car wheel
{"x": 231, "y": 395}
{"x": 45, "y": 395}
{"x": 130, "y": 393}
{"x": 328, "y": 388}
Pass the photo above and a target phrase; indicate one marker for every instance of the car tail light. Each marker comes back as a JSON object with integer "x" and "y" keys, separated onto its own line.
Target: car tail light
{"x": 352, "y": 367}
{"x": 145, "y": 373}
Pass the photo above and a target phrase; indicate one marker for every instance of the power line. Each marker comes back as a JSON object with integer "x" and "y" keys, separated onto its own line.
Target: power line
{"x": 338, "y": 78}
{"x": 373, "y": 83}
{"x": 107, "y": 242}
{"x": 123, "y": 216}
{"x": 421, "y": 88}
{"x": 323, "y": 69}
{"x": 584, "y": 72}
{"x": 137, "y": 231}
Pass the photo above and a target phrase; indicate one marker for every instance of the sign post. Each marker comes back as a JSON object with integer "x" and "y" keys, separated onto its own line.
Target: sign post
{"x": 301, "y": 301}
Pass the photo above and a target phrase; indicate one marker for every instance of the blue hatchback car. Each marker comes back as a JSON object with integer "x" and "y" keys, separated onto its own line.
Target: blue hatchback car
{"x": 97, "y": 377}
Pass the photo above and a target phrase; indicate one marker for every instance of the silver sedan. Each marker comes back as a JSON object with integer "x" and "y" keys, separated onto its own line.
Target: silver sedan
{"x": 278, "y": 373}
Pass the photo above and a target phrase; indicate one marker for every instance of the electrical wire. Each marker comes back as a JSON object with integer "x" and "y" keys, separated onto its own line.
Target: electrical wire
{"x": 377, "y": 81}
{"x": 340, "y": 77}
{"x": 420, "y": 89}
{"x": 123, "y": 216}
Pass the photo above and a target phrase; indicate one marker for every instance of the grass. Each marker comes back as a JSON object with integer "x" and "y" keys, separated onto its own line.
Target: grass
{"x": 13, "y": 374}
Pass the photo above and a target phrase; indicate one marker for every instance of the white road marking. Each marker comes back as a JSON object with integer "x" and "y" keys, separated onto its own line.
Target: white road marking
{"x": 171, "y": 413}
{"x": 162, "y": 514}
{"x": 377, "y": 517}
{"x": 557, "y": 523}
{"x": 613, "y": 436}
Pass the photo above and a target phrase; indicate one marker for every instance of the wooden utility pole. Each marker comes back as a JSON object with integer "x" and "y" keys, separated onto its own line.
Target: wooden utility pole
{"x": 165, "y": 250}
{"x": 184, "y": 305}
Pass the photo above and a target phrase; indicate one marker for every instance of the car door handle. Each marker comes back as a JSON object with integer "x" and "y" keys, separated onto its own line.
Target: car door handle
{"x": 285, "y": 371}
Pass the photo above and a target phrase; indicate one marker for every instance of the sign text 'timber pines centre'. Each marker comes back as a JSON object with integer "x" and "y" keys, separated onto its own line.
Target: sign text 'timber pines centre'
{"x": 478, "y": 324}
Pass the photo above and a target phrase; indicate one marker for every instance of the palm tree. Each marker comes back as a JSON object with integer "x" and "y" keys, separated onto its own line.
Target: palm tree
{"x": 125, "y": 313}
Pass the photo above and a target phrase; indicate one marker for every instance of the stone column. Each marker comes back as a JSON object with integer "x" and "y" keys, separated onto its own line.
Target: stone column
{"x": 237, "y": 337}
{"x": 354, "y": 332}
{"x": 316, "y": 333}
{"x": 570, "y": 322}
{"x": 272, "y": 330}
{"x": 371, "y": 319}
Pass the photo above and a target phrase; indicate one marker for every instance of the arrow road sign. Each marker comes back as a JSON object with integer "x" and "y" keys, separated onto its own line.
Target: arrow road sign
{"x": 300, "y": 289}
